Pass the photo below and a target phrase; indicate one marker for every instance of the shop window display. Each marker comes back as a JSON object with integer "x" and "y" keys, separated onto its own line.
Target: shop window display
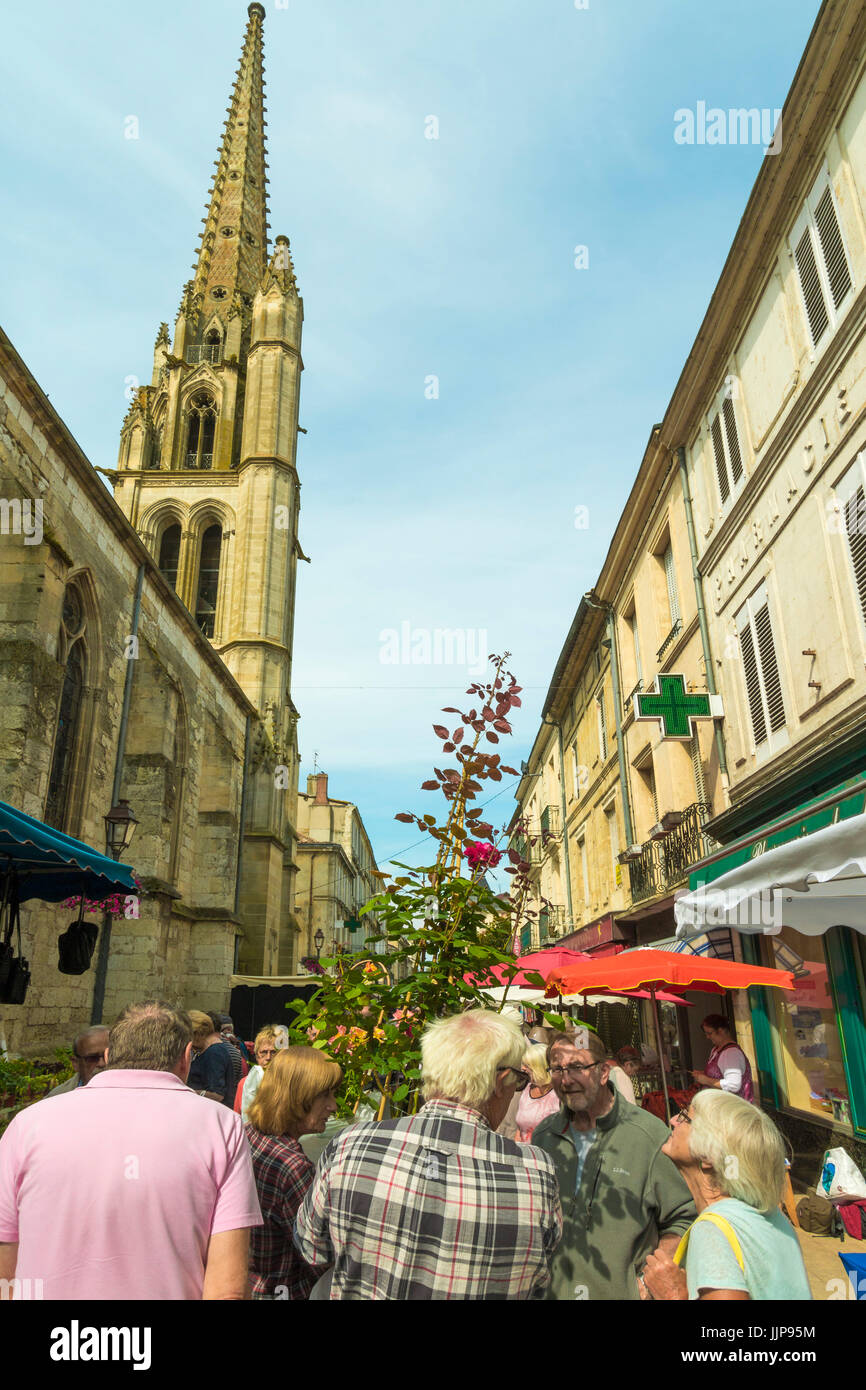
{"x": 813, "y": 1073}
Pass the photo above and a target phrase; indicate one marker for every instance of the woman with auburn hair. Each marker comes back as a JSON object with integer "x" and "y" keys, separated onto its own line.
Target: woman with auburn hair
{"x": 296, "y": 1097}
{"x": 732, "y": 1158}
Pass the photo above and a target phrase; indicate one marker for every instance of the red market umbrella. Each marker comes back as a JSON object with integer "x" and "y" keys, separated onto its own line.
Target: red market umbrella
{"x": 655, "y": 970}
{"x": 546, "y": 963}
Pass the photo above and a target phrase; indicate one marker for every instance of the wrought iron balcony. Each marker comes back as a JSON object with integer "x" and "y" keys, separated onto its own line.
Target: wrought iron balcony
{"x": 204, "y": 352}
{"x": 665, "y": 861}
{"x": 674, "y": 632}
{"x": 202, "y": 461}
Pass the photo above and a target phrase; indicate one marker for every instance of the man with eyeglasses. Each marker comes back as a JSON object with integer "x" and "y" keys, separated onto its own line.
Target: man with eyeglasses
{"x": 622, "y": 1198}
{"x": 88, "y": 1058}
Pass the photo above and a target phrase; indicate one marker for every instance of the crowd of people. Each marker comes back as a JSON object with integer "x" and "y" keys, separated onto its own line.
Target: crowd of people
{"x": 529, "y": 1171}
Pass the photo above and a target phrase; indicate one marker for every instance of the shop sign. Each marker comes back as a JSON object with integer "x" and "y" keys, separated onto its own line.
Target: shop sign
{"x": 675, "y": 708}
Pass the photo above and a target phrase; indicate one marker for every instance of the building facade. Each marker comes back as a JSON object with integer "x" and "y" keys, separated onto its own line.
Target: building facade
{"x": 186, "y": 575}
{"x": 738, "y": 565}
{"x": 337, "y": 875}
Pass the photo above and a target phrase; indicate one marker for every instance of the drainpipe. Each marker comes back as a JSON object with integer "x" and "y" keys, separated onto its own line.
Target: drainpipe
{"x": 244, "y": 796}
{"x": 101, "y": 974}
{"x": 680, "y": 456}
{"x": 617, "y": 714}
{"x": 556, "y": 724}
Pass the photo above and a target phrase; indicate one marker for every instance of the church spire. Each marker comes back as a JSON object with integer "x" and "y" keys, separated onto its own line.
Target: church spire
{"x": 233, "y": 254}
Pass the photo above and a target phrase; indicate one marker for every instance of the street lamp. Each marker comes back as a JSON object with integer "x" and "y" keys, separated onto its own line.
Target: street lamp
{"x": 318, "y": 942}
{"x": 120, "y": 826}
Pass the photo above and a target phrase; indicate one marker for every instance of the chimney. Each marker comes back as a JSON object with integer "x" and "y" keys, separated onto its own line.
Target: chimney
{"x": 312, "y": 779}
{"x": 321, "y": 779}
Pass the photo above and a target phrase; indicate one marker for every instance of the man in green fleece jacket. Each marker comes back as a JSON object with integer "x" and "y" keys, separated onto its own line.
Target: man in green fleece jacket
{"x": 622, "y": 1198}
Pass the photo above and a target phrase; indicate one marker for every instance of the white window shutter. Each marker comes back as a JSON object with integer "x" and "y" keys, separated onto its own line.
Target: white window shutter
{"x": 855, "y": 525}
{"x": 671, "y": 578}
{"x": 721, "y": 461}
{"x": 638, "y": 667}
{"x": 733, "y": 440}
{"x": 769, "y": 669}
{"x": 602, "y": 727}
{"x": 810, "y": 284}
{"x": 832, "y": 247}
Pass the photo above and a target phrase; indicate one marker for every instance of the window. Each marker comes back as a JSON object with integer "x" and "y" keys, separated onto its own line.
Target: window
{"x": 584, "y": 870}
{"x": 208, "y": 579}
{"x": 636, "y": 644}
{"x": 613, "y": 835}
{"x": 671, "y": 582}
{"x": 602, "y": 726}
{"x": 813, "y": 1072}
{"x": 851, "y": 492}
{"x": 71, "y": 651}
{"x": 575, "y": 769}
{"x": 200, "y": 431}
{"x": 169, "y": 553}
{"x": 726, "y": 449}
{"x": 819, "y": 255}
{"x": 761, "y": 671}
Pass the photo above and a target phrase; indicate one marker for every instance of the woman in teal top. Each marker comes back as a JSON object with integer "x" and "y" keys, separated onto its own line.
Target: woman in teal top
{"x": 732, "y": 1157}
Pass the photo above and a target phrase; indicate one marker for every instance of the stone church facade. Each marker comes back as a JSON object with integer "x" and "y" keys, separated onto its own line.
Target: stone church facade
{"x": 203, "y": 528}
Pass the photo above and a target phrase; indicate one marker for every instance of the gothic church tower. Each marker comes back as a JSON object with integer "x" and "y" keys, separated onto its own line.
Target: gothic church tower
{"x": 207, "y": 475}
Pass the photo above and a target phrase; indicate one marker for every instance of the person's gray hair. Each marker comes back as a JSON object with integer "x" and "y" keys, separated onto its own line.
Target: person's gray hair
{"x": 149, "y": 1036}
{"x": 461, "y": 1055}
{"x": 743, "y": 1148}
{"x": 88, "y": 1033}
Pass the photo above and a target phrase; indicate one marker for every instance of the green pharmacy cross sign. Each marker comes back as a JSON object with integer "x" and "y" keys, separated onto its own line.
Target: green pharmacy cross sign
{"x": 670, "y": 702}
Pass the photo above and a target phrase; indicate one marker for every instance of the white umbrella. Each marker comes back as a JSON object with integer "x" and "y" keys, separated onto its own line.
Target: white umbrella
{"x": 812, "y": 883}
{"x": 537, "y": 996}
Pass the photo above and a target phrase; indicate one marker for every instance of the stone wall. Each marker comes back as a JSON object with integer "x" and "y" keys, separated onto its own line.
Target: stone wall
{"x": 184, "y": 755}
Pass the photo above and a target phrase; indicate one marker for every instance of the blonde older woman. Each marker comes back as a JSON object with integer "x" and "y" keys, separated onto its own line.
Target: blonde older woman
{"x": 296, "y": 1096}
{"x": 538, "y": 1099}
{"x": 265, "y": 1047}
{"x": 732, "y": 1158}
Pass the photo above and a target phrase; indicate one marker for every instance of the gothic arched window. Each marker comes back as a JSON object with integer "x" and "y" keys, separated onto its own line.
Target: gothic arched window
{"x": 169, "y": 553}
{"x": 200, "y": 433}
{"x": 71, "y": 651}
{"x": 208, "y": 579}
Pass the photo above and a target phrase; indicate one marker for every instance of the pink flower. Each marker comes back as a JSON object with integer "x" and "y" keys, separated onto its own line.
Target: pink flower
{"x": 481, "y": 855}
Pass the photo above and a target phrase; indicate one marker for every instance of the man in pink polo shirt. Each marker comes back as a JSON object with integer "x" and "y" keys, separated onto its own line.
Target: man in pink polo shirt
{"x": 134, "y": 1187}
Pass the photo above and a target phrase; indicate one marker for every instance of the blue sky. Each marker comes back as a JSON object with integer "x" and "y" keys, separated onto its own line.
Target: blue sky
{"x": 416, "y": 257}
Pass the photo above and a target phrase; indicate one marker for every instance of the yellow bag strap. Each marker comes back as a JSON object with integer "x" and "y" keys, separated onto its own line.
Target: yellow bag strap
{"x": 724, "y": 1226}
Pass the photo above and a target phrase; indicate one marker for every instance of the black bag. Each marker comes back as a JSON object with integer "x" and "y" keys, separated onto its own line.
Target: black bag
{"x": 76, "y": 945}
{"x": 14, "y": 987}
{"x": 816, "y": 1215}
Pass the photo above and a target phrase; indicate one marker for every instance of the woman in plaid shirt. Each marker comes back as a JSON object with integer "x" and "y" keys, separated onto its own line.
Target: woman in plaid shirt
{"x": 296, "y": 1096}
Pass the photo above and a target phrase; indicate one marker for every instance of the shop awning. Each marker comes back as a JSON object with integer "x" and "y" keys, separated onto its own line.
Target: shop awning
{"x": 53, "y": 866}
{"x": 811, "y": 883}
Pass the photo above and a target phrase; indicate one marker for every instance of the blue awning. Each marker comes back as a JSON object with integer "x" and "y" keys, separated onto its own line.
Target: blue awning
{"x": 53, "y": 866}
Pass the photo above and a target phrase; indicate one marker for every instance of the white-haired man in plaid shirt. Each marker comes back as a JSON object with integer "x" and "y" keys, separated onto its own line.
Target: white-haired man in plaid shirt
{"x": 437, "y": 1205}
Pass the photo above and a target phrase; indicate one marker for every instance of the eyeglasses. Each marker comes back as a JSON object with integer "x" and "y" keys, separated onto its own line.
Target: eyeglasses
{"x": 89, "y": 1056}
{"x": 574, "y": 1069}
{"x": 522, "y": 1077}
{"x": 684, "y": 1116}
